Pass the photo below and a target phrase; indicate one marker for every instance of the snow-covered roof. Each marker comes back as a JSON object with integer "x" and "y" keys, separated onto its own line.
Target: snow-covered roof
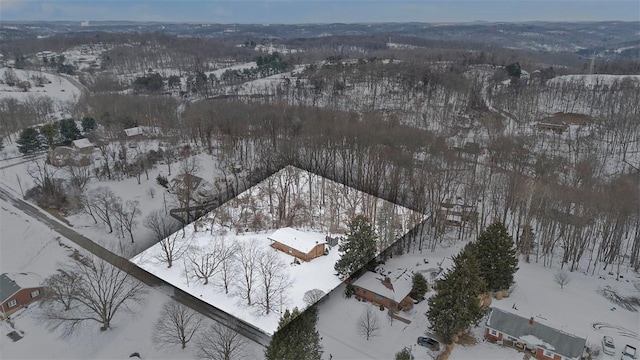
{"x": 295, "y": 239}
{"x": 82, "y": 143}
{"x": 400, "y": 284}
{"x": 536, "y": 334}
{"x": 11, "y": 283}
{"x": 140, "y": 130}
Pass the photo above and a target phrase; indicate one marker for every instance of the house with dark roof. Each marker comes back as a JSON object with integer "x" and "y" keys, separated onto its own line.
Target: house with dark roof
{"x": 18, "y": 290}
{"x": 529, "y": 335}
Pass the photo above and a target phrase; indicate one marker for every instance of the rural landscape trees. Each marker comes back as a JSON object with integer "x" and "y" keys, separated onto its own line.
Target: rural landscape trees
{"x": 89, "y": 290}
{"x": 497, "y": 258}
{"x": 297, "y": 337}
{"x": 457, "y": 302}
{"x": 358, "y": 248}
{"x": 529, "y": 153}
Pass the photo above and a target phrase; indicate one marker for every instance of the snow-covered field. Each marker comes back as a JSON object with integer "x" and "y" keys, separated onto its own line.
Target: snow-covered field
{"x": 315, "y": 274}
{"x": 58, "y": 88}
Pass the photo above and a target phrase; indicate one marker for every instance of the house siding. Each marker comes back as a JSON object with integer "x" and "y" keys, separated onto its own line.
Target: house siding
{"x": 539, "y": 352}
{"x": 22, "y": 297}
{"x": 375, "y": 298}
{"x": 492, "y": 338}
{"x": 317, "y": 251}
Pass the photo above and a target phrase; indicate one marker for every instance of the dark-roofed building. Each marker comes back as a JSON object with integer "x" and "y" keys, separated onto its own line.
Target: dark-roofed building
{"x": 18, "y": 290}
{"x": 542, "y": 341}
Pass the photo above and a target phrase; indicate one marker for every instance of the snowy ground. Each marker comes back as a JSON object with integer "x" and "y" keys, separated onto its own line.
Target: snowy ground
{"x": 14, "y": 175}
{"x": 28, "y": 245}
{"x": 315, "y": 274}
{"x": 59, "y": 89}
{"x": 578, "y": 309}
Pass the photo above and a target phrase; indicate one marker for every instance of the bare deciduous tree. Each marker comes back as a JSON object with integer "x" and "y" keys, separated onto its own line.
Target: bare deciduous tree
{"x": 368, "y": 324}
{"x": 228, "y": 269}
{"x": 177, "y": 324}
{"x": 97, "y": 291}
{"x": 247, "y": 257}
{"x": 165, "y": 230}
{"x": 221, "y": 342}
{"x": 313, "y": 296}
{"x": 206, "y": 262}
{"x": 126, "y": 216}
{"x": 101, "y": 202}
{"x": 61, "y": 288}
{"x": 274, "y": 279}
{"x": 561, "y": 278}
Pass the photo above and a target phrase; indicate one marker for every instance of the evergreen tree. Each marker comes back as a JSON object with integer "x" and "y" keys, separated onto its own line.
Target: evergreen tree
{"x": 1, "y": 143}
{"x": 496, "y": 254}
{"x": 69, "y": 130}
{"x": 419, "y": 286}
{"x": 50, "y": 132}
{"x": 88, "y": 124}
{"x": 457, "y": 304}
{"x": 404, "y": 354}
{"x": 358, "y": 248}
{"x": 29, "y": 141}
{"x": 296, "y": 337}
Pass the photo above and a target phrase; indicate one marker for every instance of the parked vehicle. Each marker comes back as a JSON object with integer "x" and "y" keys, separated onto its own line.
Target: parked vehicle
{"x": 428, "y": 342}
{"x": 629, "y": 353}
{"x": 608, "y": 347}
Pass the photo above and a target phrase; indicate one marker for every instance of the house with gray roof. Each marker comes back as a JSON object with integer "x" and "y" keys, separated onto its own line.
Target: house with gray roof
{"x": 18, "y": 290}
{"x": 529, "y": 335}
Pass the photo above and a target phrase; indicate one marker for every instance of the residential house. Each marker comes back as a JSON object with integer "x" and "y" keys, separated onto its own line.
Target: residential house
{"x": 199, "y": 189}
{"x": 138, "y": 132}
{"x": 540, "y": 340}
{"x": 553, "y": 124}
{"x": 83, "y": 145}
{"x": 66, "y": 155}
{"x": 390, "y": 290}
{"x": 304, "y": 246}
{"x": 17, "y": 290}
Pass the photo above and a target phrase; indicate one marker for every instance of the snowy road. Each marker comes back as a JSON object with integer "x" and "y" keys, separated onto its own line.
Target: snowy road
{"x": 124, "y": 264}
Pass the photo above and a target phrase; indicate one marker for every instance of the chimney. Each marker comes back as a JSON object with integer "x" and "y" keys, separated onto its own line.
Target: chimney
{"x": 531, "y": 321}
{"x": 387, "y": 283}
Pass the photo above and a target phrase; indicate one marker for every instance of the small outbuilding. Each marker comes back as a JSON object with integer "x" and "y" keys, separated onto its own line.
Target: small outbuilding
{"x": 304, "y": 246}
{"x": 18, "y": 290}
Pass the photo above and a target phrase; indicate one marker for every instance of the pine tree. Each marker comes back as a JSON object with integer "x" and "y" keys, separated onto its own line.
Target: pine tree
{"x": 69, "y": 130}
{"x": 28, "y": 141}
{"x": 457, "y": 304}
{"x": 358, "y": 248}
{"x": 88, "y": 124}
{"x": 296, "y": 337}
{"x": 419, "y": 286}
{"x": 497, "y": 257}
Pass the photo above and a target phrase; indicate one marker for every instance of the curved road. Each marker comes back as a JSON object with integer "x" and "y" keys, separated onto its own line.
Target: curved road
{"x": 244, "y": 328}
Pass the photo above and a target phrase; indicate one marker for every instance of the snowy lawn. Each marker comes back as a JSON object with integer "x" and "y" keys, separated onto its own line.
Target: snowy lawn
{"x": 59, "y": 89}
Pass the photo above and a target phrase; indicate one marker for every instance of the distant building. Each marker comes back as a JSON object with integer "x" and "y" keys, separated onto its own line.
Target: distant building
{"x": 301, "y": 245}
{"x": 140, "y": 132}
{"x": 83, "y": 145}
{"x": 18, "y": 290}
{"x": 539, "y": 340}
{"x": 552, "y": 124}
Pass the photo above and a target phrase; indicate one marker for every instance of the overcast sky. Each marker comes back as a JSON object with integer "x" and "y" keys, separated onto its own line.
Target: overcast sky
{"x": 319, "y": 11}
